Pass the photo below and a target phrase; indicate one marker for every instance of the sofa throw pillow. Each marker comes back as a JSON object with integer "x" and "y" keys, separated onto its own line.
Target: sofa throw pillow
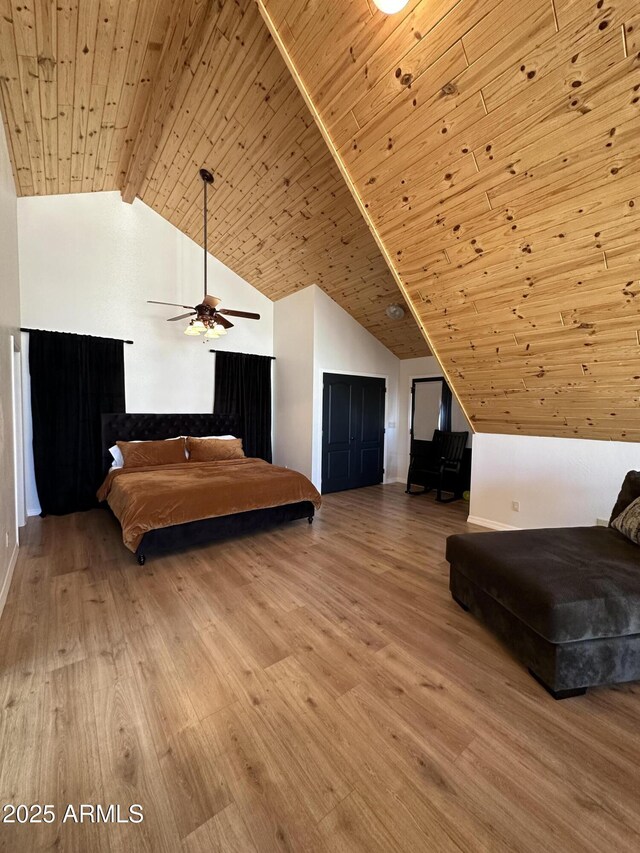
{"x": 628, "y": 522}
{"x": 628, "y": 493}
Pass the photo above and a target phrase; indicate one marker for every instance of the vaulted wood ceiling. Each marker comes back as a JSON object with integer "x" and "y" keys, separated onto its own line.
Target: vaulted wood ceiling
{"x": 137, "y": 96}
{"x": 489, "y": 152}
{"x": 494, "y": 146}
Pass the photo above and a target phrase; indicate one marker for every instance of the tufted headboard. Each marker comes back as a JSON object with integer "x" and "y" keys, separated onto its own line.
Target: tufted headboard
{"x": 148, "y": 427}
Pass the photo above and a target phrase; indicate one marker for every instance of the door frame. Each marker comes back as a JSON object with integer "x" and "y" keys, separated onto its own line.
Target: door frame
{"x": 18, "y": 452}
{"x": 415, "y": 380}
{"x": 316, "y": 459}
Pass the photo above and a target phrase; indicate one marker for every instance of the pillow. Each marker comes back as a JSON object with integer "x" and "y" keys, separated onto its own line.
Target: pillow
{"x": 214, "y": 449}
{"x": 138, "y": 454}
{"x": 219, "y": 437}
{"x": 628, "y": 493}
{"x": 628, "y": 522}
{"x": 116, "y": 453}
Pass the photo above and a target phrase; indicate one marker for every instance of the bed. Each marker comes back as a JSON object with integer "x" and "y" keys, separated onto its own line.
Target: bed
{"x": 260, "y": 494}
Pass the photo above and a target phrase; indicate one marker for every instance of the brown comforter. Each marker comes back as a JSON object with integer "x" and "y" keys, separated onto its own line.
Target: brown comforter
{"x": 144, "y": 499}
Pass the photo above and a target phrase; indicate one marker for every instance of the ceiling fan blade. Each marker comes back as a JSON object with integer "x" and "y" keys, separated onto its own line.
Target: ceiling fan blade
{"x": 174, "y": 304}
{"x": 223, "y": 322}
{"x": 181, "y": 316}
{"x": 246, "y": 314}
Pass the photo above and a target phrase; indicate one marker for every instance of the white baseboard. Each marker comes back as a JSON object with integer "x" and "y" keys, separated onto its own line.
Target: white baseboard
{"x": 4, "y": 592}
{"x": 492, "y": 525}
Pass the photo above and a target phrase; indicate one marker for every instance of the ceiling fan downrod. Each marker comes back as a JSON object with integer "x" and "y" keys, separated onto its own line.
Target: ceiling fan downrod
{"x": 207, "y": 178}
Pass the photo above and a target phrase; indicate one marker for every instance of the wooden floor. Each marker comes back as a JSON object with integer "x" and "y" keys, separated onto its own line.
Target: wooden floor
{"x": 306, "y": 689}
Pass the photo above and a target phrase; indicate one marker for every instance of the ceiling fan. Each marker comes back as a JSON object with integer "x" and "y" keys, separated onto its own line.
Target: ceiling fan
{"x": 208, "y": 318}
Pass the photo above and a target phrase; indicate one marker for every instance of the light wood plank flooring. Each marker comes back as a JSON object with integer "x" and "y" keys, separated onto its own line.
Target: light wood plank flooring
{"x": 305, "y": 689}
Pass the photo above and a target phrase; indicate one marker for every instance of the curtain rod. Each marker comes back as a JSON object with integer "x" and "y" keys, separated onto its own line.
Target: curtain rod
{"x": 74, "y": 333}
{"x": 272, "y": 357}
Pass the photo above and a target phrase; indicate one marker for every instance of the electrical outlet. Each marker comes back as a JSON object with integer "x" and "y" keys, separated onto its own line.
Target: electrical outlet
{"x": 515, "y": 506}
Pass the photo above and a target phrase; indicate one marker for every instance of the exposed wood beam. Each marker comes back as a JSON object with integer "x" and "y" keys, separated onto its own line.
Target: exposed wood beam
{"x": 185, "y": 27}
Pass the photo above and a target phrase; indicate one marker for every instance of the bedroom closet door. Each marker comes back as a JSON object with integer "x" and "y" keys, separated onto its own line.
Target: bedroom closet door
{"x": 352, "y": 432}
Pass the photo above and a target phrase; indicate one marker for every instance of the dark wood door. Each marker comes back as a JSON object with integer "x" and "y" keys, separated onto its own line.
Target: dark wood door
{"x": 352, "y": 432}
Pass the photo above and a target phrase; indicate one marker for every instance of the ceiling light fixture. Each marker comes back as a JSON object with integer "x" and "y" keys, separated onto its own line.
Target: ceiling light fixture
{"x": 390, "y": 7}
{"x": 394, "y": 311}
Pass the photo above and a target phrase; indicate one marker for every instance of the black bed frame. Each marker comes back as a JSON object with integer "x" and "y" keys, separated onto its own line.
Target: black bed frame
{"x": 156, "y": 427}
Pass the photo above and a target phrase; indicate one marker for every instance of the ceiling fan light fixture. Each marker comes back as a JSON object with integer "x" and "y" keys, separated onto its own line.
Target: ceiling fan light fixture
{"x": 394, "y": 311}
{"x": 390, "y": 7}
{"x": 207, "y": 319}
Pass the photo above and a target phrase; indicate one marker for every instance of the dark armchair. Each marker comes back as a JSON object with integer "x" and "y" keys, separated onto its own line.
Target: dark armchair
{"x": 436, "y": 464}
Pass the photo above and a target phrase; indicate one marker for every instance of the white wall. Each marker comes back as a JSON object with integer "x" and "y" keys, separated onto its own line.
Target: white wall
{"x": 293, "y": 380}
{"x": 89, "y": 262}
{"x": 9, "y": 324}
{"x": 313, "y": 335}
{"x": 559, "y": 482}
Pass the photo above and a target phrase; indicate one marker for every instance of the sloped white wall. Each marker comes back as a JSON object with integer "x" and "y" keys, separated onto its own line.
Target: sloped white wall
{"x": 9, "y": 324}
{"x": 89, "y": 262}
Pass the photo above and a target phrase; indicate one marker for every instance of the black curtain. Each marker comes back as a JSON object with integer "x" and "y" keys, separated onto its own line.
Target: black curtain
{"x": 74, "y": 379}
{"x": 243, "y": 387}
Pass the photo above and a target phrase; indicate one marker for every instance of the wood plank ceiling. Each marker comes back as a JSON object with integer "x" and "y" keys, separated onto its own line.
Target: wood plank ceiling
{"x": 494, "y": 146}
{"x": 137, "y": 96}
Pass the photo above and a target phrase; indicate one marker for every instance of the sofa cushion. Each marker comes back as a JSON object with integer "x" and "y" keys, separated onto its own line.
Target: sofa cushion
{"x": 628, "y": 522}
{"x": 629, "y": 491}
{"x": 574, "y": 583}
